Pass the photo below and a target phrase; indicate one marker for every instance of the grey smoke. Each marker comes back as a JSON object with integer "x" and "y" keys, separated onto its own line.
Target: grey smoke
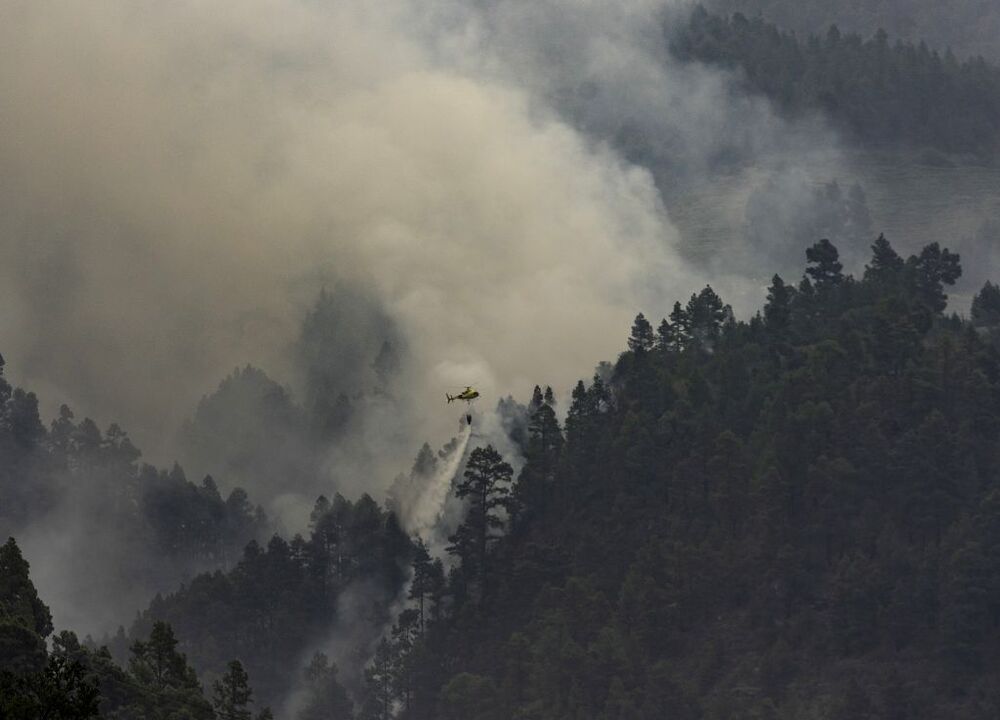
{"x": 503, "y": 184}
{"x": 179, "y": 181}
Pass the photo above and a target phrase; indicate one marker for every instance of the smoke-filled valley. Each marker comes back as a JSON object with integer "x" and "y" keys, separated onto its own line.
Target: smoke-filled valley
{"x": 252, "y": 250}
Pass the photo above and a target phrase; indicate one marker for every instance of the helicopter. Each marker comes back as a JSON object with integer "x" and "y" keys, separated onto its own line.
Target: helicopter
{"x": 468, "y": 396}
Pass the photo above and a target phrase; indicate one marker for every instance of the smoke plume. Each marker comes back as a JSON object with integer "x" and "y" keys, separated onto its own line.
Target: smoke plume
{"x": 179, "y": 182}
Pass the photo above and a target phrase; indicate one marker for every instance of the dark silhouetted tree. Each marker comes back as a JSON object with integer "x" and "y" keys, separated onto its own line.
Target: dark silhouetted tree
{"x": 486, "y": 489}
{"x": 231, "y": 694}
{"x": 824, "y": 267}
{"x": 642, "y": 339}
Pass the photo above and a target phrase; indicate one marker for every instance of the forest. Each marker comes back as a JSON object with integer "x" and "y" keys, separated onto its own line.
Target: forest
{"x": 880, "y": 93}
{"x": 786, "y": 516}
{"x": 772, "y": 494}
{"x": 968, "y": 27}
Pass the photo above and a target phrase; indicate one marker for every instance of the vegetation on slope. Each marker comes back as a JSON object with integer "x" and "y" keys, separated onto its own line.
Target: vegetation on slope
{"x": 879, "y": 93}
{"x": 792, "y": 516}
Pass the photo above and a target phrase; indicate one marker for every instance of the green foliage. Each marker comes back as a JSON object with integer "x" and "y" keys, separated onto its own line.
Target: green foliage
{"x": 277, "y": 599}
{"x": 880, "y": 93}
{"x": 794, "y": 516}
{"x": 824, "y": 266}
{"x": 967, "y": 26}
{"x": 157, "y": 663}
{"x": 486, "y": 488}
{"x": 77, "y": 682}
{"x": 22, "y": 455}
{"x": 231, "y": 694}
{"x": 778, "y": 310}
{"x": 641, "y": 338}
{"x": 779, "y": 518}
{"x": 33, "y": 684}
{"x": 167, "y": 685}
{"x": 886, "y": 265}
{"x": 986, "y": 306}
{"x": 25, "y": 620}
{"x": 60, "y": 691}
{"x": 151, "y": 527}
{"x": 706, "y": 314}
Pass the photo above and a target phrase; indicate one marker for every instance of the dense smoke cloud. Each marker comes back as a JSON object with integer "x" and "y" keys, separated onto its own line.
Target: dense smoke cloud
{"x": 490, "y": 182}
{"x": 179, "y": 179}
{"x": 178, "y": 182}
{"x": 606, "y": 69}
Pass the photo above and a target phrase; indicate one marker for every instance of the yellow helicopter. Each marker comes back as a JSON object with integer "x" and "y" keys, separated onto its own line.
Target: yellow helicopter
{"x": 468, "y": 396}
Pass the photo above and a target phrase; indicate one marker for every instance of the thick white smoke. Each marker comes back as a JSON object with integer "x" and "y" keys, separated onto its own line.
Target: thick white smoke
{"x": 424, "y": 516}
{"x": 179, "y": 178}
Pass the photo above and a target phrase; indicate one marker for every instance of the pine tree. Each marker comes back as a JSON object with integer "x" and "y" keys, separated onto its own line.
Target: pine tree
{"x": 379, "y": 684}
{"x": 537, "y": 400}
{"x": 778, "y": 310}
{"x": 157, "y": 663}
{"x": 664, "y": 336}
{"x": 680, "y": 325}
{"x": 535, "y": 484}
{"x": 232, "y": 694}
{"x": 423, "y": 578}
{"x": 406, "y": 637}
{"x": 487, "y": 487}
{"x": 930, "y": 272}
{"x": 705, "y": 315}
{"x": 986, "y": 306}
{"x": 438, "y": 587}
{"x": 824, "y": 265}
{"x": 320, "y": 509}
{"x": 62, "y": 690}
{"x": 545, "y": 438}
{"x": 165, "y": 676}
{"x": 886, "y": 265}
{"x": 642, "y": 338}
{"x": 24, "y": 619}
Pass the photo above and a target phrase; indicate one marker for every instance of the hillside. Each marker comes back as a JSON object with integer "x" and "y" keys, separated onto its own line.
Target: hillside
{"x": 968, "y": 27}
{"x": 877, "y": 92}
{"x": 500, "y": 360}
{"x": 787, "y": 517}
{"x": 791, "y": 516}
{"x": 913, "y": 200}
